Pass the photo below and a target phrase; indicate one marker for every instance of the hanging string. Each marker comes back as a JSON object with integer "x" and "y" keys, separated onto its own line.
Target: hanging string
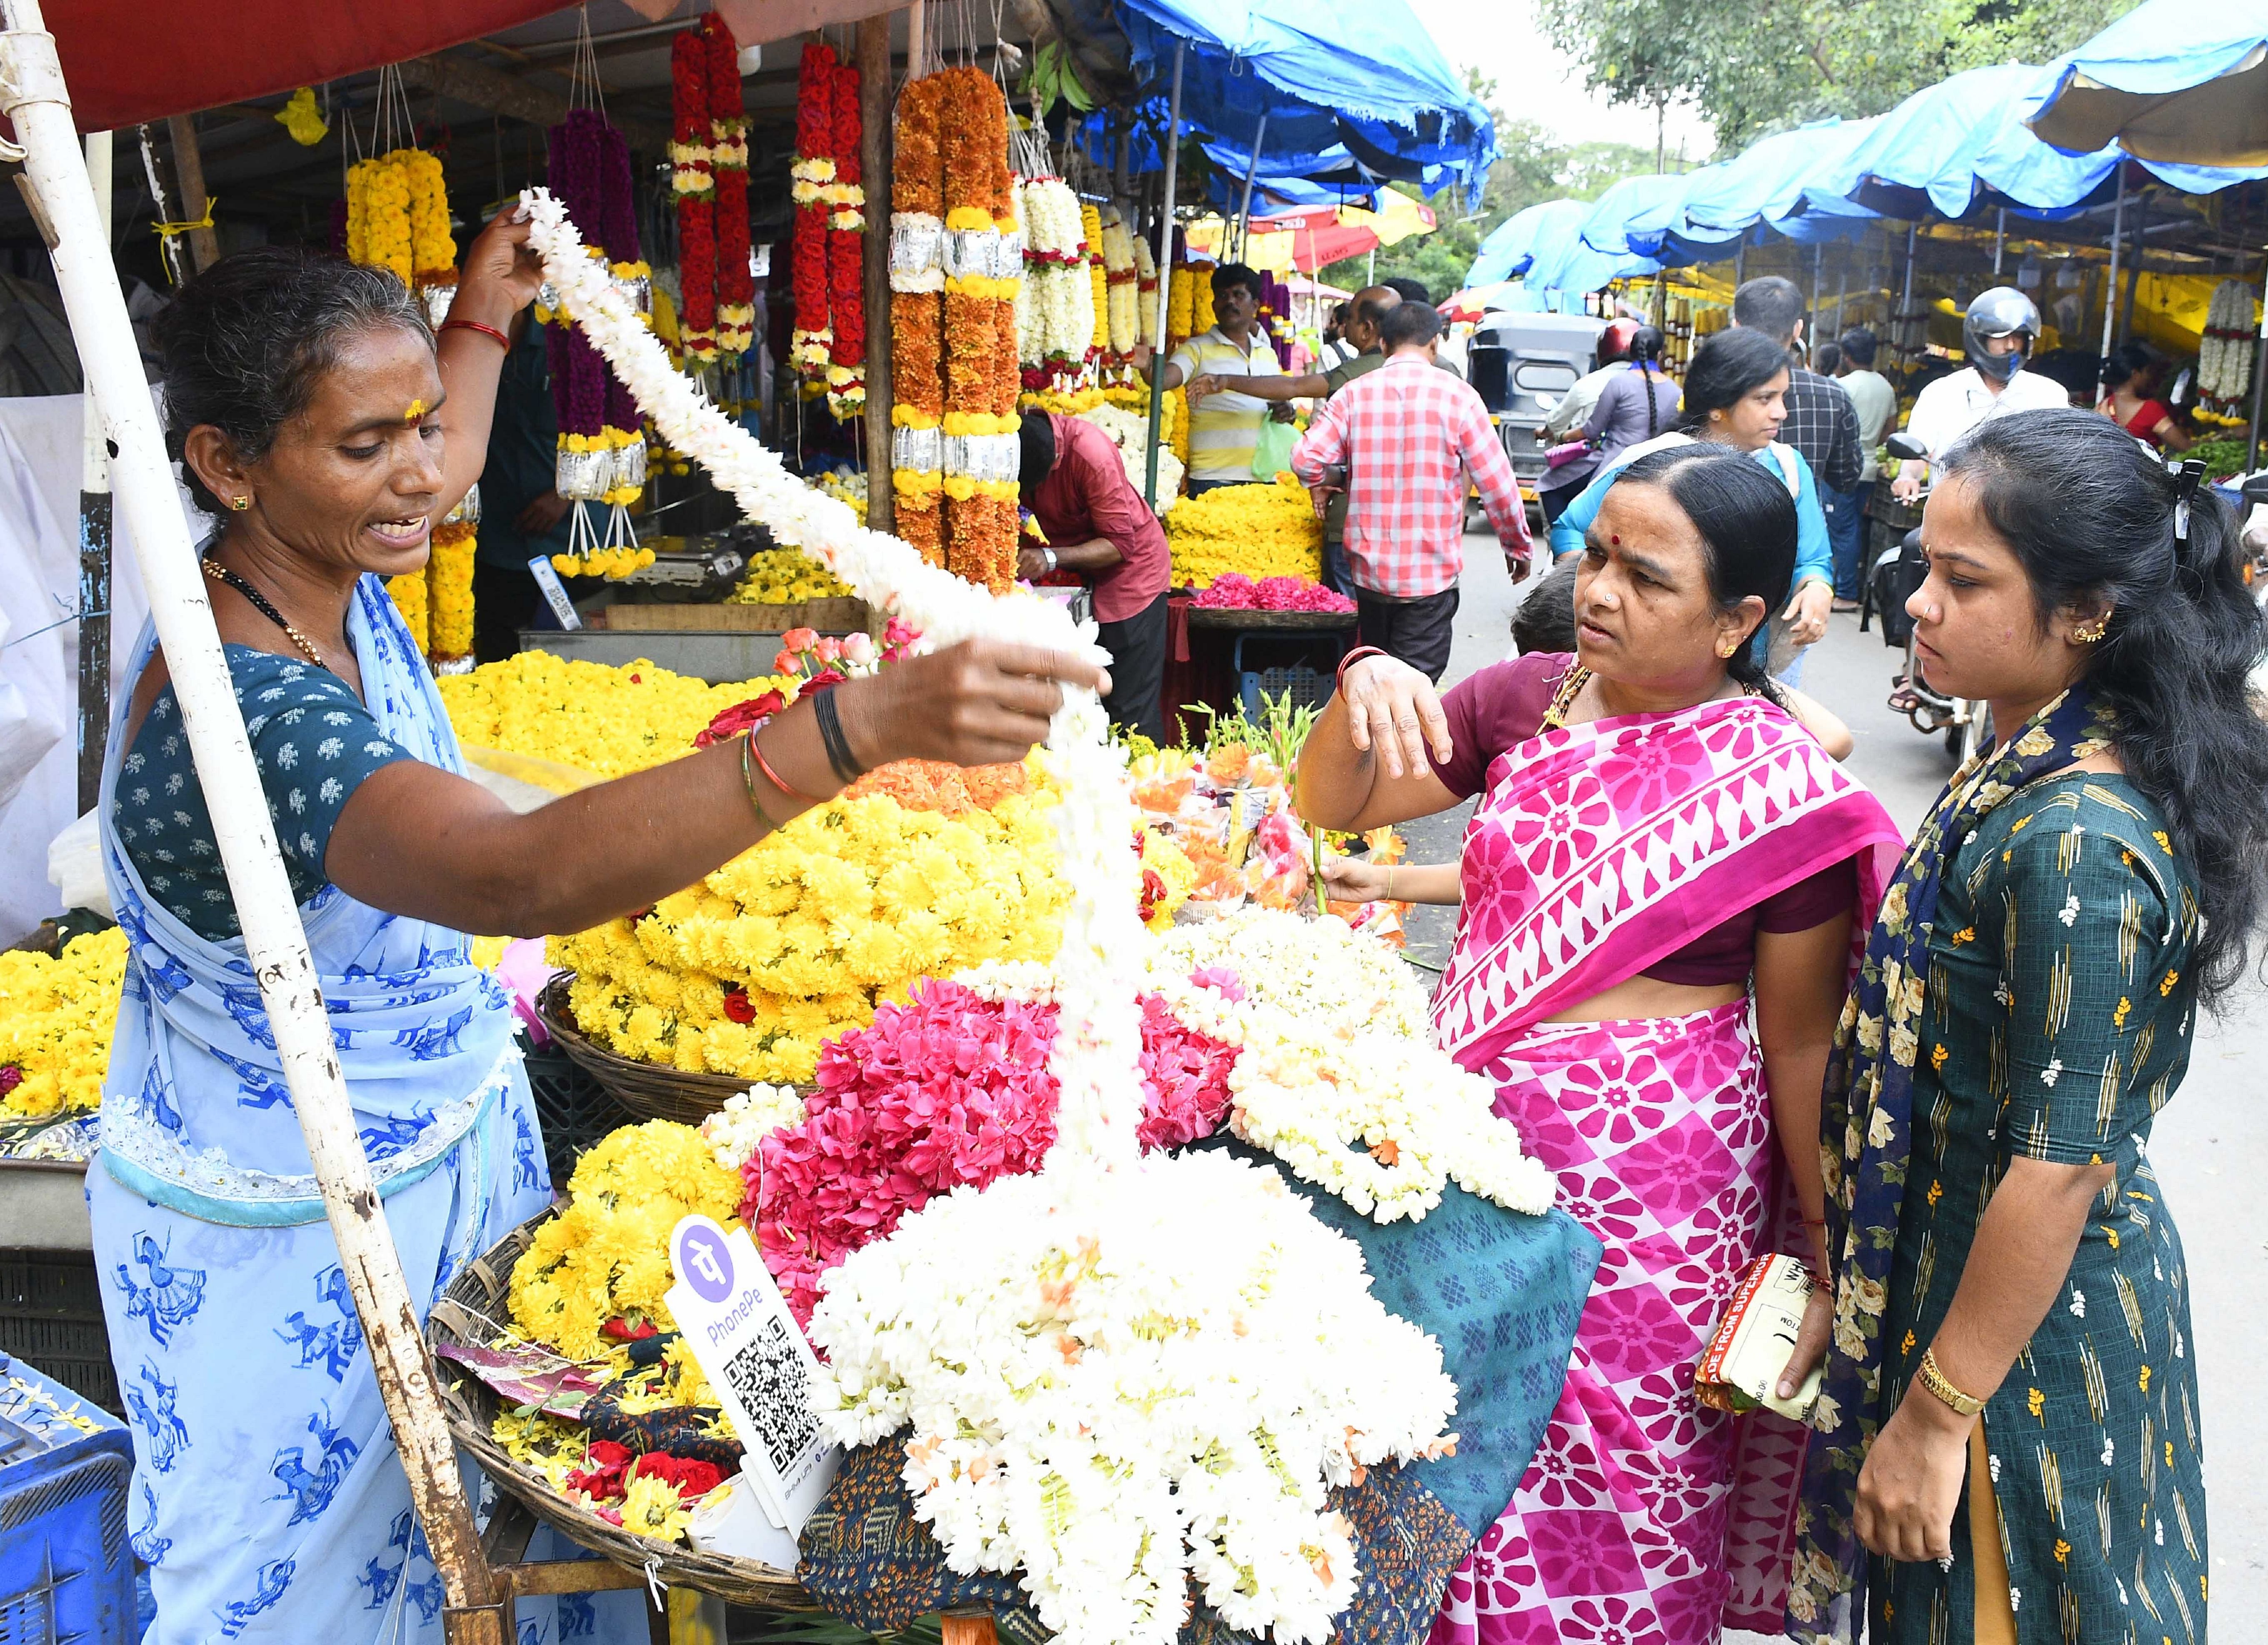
{"x": 585, "y": 90}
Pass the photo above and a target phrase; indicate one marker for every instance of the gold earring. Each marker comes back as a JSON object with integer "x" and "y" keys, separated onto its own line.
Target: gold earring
{"x": 239, "y": 503}
{"x": 2090, "y": 636}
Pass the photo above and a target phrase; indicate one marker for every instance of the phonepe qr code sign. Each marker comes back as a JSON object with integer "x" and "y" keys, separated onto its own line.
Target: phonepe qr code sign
{"x": 739, "y": 1329}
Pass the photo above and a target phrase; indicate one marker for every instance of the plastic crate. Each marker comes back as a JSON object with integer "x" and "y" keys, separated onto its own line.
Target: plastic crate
{"x": 575, "y": 1109}
{"x": 66, "y": 1564}
{"x": 51, "y": 1319}
{"x": 1305, "y": 685}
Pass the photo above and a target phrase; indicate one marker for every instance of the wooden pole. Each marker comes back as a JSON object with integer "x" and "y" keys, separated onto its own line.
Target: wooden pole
{"x": 189, "y": 173}
{"x": 1165, "y": 277}
{"x": 875, "y": 102}
{"x": 916, "y": 40}
{"x": 37, "y": 102}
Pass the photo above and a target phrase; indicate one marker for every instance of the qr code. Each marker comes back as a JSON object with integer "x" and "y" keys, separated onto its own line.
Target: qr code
{"x": 767, "y": 1377}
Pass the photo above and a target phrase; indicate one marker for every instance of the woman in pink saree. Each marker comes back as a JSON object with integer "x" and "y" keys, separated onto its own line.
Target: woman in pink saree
{"x": 1661, "y": 882}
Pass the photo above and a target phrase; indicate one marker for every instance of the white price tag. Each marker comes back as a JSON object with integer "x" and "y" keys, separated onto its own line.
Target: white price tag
{"x": 555, "y": 592}
{"x": 739, "y": 1330}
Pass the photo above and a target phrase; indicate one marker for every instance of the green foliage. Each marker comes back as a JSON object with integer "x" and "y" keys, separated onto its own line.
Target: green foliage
{"x": 1754, "y": 69}
{"x": 1531, "y": 167}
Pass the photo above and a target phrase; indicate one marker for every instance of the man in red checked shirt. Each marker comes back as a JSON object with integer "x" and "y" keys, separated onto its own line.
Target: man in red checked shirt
{"x": 1096, "y": 524}
{"x": 1410, "y": 432}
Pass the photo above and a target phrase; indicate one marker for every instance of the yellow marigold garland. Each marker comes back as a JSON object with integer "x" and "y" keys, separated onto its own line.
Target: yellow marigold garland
{"x": 449, "y": 589}
{"x": 56, "y": 1015}
{"x": 410, "y": 597}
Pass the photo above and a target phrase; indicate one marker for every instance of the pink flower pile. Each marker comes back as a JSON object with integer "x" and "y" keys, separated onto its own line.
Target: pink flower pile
{"x": 947, "y": 1091}
{"x": 1234, "y": 591}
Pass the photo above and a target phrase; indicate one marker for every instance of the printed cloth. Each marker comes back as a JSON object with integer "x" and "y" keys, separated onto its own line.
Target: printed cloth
{"x": 1824, "y": 425}
{"x": 1085, "y": 495}
{"x": 1597, "y": 850}
{"x": 2028, "y": 992}
{"x": 1408, "y": 435}
{"x": 868, "y": 1561}
{"x": 269, "y": 1501}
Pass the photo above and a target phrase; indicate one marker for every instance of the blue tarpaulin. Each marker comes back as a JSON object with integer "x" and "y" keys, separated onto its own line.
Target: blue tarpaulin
{"x": 2169, "y": 81}
{"x": 1361, "y": 76}
{"x": 1513, "y": 246}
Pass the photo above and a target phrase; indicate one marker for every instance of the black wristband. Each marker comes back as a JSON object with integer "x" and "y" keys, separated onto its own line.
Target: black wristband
{"x": 838, "y": 746}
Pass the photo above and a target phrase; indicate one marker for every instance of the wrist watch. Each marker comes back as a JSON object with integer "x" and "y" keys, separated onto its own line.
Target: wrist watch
{"x": 1051, "y": 554}
{"x": 1938, "y": 1384}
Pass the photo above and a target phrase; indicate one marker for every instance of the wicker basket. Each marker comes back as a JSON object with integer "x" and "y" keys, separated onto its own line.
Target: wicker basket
{"x": 1279, "y": 622}
{"x": 467, "y": 1314}
{"x": 648, "y": 1089}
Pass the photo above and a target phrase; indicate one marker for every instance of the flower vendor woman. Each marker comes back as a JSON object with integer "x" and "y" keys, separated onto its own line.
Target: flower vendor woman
{"x": 319, "y": 424}
{"x": 1655, "y": 831}
{"x": 2008, "y": 1422}
{"x": 1096, "y": 524}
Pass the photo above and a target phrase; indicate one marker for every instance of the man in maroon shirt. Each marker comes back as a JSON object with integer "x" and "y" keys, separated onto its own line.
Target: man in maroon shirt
{"x": 1096, "y": 524}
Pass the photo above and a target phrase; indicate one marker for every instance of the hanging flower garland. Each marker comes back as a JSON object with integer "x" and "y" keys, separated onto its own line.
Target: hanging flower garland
{"x": 983, "y": 261}
{"x": 1098, "y": 279}
{"x": 409, "y": 593}
{"x": 812, "y": 176}
{"x": 693, "y": 180}
{"x": 449, "y": 586}
{"x": 728, "y": 154}
{"x": 846, "y": 254}
{"x": 918, "y": 320}
{"x": 1057, "y": 294}
{"x": 1123, "y": 278}
{"x": 379, "y": 231}
{"x": 1146, "y": 308}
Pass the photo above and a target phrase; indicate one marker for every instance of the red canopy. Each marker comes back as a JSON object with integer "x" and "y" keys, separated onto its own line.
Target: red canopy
{"x": 129, "y": 61}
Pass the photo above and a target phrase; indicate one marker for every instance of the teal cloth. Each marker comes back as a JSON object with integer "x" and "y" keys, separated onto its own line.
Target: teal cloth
{"x": 1501, "y": 1292}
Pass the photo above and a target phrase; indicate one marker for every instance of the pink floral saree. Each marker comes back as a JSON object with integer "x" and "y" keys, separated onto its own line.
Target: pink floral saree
{"x": 1596, "y": 850}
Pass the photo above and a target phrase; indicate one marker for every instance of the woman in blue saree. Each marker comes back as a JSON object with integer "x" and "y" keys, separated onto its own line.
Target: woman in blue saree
{"x": 319, "y": 423}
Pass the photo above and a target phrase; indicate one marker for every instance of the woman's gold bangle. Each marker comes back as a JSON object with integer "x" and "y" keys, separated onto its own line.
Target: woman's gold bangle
{"x": 1389, "y": 882}
{"x": 1938, "y": 1384}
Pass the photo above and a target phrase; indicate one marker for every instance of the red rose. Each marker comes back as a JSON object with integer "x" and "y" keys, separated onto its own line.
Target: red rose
{"x": 741, "y": 716}
{"x": 739, "y": 1007}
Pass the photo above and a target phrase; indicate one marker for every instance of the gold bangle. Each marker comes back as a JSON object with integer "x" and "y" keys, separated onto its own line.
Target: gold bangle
{"x": 1933, "y": 1379}
{"x": 1389, "y": 882}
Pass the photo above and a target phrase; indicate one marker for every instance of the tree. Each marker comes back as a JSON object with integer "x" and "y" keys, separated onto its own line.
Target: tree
{"x": 1753, "y": 69}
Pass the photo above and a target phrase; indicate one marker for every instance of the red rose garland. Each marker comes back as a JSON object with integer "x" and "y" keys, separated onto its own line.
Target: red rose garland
{"x": 728, "y": 130}
{"x": 695, "y": 185}
{"x": 813, "y": 175}
{"x": 846, "y": 239}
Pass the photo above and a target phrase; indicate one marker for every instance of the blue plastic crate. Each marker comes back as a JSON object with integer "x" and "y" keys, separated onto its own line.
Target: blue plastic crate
{"x": 1303, "y": 685}
{"x": 66, "y": 1565}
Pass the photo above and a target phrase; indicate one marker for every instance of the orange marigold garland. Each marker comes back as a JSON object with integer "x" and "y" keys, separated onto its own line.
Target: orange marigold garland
{"x": 984, "y": 259}
{"x": 695, "y": 185}
{"x": 728, "y": 139}
{"x": 846, "y": 255}
{"x": 918, "y": 319}
{"x": 814, "y": 177}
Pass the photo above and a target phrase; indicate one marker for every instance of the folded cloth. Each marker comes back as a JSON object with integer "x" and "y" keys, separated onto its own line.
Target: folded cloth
{"x": 869, "y": 1562}
{"x": 1501, "y": 1292}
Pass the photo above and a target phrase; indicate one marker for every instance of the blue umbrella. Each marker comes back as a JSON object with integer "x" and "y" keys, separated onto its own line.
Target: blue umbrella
{"x": 2170, "y": 81}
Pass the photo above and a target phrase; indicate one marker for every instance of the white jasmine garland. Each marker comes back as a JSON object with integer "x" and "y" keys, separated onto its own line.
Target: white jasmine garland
{"x": 747, "y": 1119}
{"x": 1103, "y": 1391}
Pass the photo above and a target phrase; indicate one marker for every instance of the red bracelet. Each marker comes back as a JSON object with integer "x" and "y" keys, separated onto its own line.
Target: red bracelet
{"x": 474, "y": 325}
{"x": 774, "y": 777}
{"x": 1354, "y": 656}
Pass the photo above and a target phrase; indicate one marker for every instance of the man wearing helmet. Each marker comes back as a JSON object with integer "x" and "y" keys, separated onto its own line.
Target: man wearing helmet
{"x": 1996, "y": 333}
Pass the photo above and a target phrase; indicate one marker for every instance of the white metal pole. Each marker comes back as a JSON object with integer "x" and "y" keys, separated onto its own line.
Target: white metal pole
{"x": 1164, "y": 274}
{"x": 1244, "y": 211}
{"x": 36, "y": 101}
{"x": 95, "y": 539}
{"x": 2259, "y": 373}
{"x": 2110, "y": 288}
{"x": 1999, "y": 239}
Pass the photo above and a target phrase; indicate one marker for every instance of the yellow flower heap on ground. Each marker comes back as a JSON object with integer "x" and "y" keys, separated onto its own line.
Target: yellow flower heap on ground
{"x": 607, "y": 1255}
{"x": 1262, "y": 531}
{"x": 787, "y": 576}
{"x": 56, "y": 1015}
{"x": 794, "y": 942}
{"x": 607, "y": 722}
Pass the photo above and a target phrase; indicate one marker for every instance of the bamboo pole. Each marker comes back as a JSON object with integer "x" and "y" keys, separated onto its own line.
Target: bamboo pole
{"x": 37, "y": 103}
{"x": 189, "y": 174}
{"x": 1244, "y": 209}
{"x": 94, "y": 538}
{"x": 1165, "y": 277}
{"x": 875, "y": 101}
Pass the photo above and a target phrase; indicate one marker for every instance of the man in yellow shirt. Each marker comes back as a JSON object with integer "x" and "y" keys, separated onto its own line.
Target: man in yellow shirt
{"x": 1224, "y": 427}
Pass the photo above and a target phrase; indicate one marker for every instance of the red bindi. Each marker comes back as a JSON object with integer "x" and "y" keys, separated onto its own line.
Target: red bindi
{"x": 1617, "y": 541}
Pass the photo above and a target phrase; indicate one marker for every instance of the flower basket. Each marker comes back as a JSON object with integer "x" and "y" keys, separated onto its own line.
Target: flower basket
{"x": 466, "y": 1315}
{"x": 648, "y": 1089}
{"x": 1241, "y": 618}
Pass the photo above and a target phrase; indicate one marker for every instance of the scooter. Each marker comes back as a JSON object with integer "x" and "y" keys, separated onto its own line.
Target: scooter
{"x": 1965, "y": 723}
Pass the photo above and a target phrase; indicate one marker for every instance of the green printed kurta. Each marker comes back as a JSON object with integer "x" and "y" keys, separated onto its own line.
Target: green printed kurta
{"x": 2058, "y": 1021}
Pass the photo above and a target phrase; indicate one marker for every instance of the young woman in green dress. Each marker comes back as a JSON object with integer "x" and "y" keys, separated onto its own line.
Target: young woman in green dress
{"x": 2009, "y": 1446}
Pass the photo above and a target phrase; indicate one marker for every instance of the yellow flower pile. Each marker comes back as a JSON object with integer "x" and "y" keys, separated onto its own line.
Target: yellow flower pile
{"x": 607, "y": 1255}
{"x": 1135, "y": 398}
{"x": 787, "y": 576}
{"x": 56, "y": 1015}
{"x": 846, "y": 486}
{"x": 410, "y": 598}
{"x": 851, "y": 903}
{"x": 1262, "y": 531}
{"x": 607, "y": 722}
